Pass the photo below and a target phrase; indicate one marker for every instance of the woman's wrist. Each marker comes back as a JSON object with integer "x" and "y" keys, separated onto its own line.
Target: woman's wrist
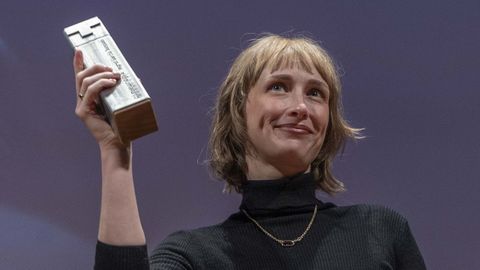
{"x": 116, "y": 154}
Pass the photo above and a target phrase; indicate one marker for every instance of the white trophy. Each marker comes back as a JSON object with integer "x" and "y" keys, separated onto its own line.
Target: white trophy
{"x": 127, "y": 106}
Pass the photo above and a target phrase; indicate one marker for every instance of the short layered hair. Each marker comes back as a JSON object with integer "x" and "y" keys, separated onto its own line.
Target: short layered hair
{"x": 229, "y": 139}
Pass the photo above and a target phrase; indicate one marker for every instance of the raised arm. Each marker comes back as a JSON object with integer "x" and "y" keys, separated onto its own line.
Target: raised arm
{"x": 119, "y": 218}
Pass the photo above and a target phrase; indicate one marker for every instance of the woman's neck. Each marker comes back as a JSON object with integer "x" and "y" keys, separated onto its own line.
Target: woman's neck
{"x": 263, "y": 197}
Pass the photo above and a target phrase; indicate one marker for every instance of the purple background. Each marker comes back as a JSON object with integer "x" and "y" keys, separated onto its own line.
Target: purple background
{"x": 410, "y": 76}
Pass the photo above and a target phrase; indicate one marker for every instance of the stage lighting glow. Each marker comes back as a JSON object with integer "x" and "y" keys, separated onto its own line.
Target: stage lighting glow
{"x": 5, "y": 53}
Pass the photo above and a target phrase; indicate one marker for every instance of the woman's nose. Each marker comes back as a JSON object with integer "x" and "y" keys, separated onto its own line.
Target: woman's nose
{"x": 298, "y": 108}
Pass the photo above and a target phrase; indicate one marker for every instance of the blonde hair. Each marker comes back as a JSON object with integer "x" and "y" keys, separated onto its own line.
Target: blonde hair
{"x": 229, "y": 139}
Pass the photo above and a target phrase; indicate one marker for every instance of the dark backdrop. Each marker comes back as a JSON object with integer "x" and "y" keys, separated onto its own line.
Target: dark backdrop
{"x": 410, "y": 76}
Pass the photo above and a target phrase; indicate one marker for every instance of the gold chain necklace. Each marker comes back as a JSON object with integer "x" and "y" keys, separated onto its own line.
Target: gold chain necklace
{"x": 284, "y": 243}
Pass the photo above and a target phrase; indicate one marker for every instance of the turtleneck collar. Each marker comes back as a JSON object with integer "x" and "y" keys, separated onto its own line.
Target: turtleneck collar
{"x": 286, "y": 193}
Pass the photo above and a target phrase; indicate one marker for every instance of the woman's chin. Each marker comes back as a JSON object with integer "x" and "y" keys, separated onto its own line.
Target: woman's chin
{"x": 296, "y": 153}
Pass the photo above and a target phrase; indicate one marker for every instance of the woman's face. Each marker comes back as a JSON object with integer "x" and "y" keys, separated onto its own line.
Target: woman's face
{"x": 287, "y": 117}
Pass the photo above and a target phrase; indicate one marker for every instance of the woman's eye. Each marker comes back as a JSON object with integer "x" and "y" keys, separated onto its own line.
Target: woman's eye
{"x": 277, "y": 87}
{"x": 315, "y": 93}
{"x": 318, "y": 94}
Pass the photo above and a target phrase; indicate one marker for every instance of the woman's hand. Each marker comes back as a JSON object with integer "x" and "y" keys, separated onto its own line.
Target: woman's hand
{"x": 89, "y": 83}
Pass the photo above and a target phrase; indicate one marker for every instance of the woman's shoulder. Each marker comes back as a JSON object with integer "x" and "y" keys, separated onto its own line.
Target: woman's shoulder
{"x": 377, "y": 217}
{"x": 372, "y": 210}
{"x": 368, "y": 214}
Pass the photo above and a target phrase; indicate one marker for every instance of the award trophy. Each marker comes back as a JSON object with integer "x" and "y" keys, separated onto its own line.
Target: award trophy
{"x": 127, "y": 105}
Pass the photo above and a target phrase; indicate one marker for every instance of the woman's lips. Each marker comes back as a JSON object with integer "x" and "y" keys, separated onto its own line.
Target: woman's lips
{"x": 296, "y": 128}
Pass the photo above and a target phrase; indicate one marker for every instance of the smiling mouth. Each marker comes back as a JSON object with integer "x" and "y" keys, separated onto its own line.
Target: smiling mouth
{"x": 295, "y": 128}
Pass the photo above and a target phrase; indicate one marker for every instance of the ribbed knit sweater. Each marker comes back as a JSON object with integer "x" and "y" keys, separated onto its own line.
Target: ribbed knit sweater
{"x": 352, "y": 237}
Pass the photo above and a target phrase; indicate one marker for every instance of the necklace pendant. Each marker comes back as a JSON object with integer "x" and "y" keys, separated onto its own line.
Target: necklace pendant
{"x": 287, "y": 243}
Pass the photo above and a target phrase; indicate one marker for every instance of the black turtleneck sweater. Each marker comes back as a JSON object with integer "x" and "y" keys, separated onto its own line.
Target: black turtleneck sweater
{"x": 352, "y": 237}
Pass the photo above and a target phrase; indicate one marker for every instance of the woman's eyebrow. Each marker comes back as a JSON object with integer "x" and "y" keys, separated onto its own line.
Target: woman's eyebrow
{"x": 284, "y": 77}
{"x": 319, "y": 83}
{"x": 287, "y": 77}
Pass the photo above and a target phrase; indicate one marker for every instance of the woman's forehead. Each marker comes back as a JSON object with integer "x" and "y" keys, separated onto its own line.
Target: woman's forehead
{"x": 291, "y": 61}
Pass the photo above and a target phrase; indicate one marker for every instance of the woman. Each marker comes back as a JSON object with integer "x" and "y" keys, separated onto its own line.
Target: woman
{"x": 277, "y": 127}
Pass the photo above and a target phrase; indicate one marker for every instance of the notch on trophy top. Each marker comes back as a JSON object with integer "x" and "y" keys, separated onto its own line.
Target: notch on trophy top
{"x": 85, "y": 31}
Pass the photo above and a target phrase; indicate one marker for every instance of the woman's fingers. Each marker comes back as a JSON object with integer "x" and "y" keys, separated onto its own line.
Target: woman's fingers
{"x": 90, "y": 71}
{"x": 78, "y": 61}
{"x": 78, "y": 66}
{"x": 90, "y": 97}
{"x": 84, "y": 77}
{"x": 93, "y": 78}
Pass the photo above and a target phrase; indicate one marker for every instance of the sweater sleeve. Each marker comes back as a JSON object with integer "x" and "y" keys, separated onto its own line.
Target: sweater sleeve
{"x": 408, "y": 255}
{"x": 108, "y": 257}
{"x": 170, "y": 255}
{"x": 173, "y": 253}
